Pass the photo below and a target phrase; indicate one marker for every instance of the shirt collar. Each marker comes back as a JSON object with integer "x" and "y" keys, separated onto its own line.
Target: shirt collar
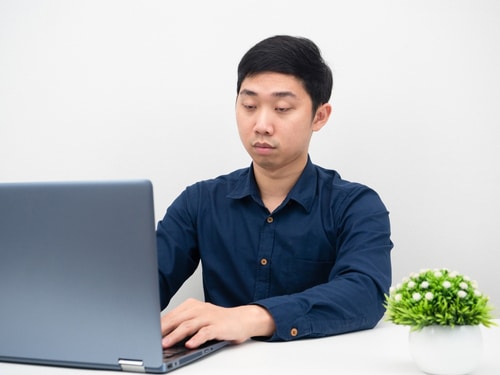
{"x": 303, "y": 192}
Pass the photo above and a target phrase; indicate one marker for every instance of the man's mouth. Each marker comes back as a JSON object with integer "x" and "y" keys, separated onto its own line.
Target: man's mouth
{"x": 263, "y": 148}
{"x": 262, "y": 145}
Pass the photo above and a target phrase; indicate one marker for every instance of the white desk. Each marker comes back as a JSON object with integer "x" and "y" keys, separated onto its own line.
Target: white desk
{"x": 383, "y": 350}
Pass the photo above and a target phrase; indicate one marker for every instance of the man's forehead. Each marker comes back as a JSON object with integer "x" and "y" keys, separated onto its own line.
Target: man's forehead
{"x": 276, "y": 85}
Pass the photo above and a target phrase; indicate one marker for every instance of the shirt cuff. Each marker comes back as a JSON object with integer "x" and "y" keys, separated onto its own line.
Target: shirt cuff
{"x": 289, "y": 318}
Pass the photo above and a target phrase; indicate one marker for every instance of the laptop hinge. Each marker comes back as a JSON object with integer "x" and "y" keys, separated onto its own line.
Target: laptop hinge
{"x": 131, "y": 365}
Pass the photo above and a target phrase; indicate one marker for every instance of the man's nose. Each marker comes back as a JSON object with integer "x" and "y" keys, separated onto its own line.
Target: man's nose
{"x": 263, "y": 122}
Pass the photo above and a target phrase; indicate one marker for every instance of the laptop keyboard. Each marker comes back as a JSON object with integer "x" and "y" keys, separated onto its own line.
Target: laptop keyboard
{"x": 173, "y": 351}
{"x": 180, "y": 348}
{"x": 177, "y": 349}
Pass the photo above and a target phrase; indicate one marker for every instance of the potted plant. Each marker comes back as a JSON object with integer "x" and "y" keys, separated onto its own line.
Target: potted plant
{"x": 444, "y": 310}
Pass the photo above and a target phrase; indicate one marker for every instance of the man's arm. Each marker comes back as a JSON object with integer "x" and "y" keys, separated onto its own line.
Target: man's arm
{"x": 352, "y": 298}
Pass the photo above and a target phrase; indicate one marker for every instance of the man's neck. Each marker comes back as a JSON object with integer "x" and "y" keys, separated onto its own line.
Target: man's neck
{"x": 274, "y": 185}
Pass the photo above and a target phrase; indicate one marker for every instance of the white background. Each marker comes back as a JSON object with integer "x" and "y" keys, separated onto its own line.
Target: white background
{"x": 146, "y": 89}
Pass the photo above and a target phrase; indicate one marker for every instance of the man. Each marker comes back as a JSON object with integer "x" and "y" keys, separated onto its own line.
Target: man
{"x": 288, "y": 249}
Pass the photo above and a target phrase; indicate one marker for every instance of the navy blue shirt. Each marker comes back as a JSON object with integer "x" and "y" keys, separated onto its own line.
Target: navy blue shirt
{"x": 320, "y": 263}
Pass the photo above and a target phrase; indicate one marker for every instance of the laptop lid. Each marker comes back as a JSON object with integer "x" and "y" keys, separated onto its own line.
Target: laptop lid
{"x": 78, "y": 275}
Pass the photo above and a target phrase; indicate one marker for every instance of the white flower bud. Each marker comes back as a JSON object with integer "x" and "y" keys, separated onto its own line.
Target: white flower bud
{"x": 462, "y": 293}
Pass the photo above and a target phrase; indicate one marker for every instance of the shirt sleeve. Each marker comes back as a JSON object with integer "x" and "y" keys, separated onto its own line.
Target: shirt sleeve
{"x": 353, "y": 297}
{"x": 178, "y": 255}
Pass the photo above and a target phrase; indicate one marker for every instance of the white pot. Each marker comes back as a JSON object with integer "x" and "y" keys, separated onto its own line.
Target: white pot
{"x": 444, "y": 350}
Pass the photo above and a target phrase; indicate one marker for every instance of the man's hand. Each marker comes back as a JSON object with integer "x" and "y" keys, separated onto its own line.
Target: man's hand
{"x": 205, "y": 321}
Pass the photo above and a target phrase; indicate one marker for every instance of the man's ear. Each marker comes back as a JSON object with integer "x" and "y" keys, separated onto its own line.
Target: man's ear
{"x": 322, "y": 115}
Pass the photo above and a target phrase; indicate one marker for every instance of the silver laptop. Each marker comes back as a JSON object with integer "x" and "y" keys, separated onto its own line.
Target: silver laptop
{"x": 79, "y": 278}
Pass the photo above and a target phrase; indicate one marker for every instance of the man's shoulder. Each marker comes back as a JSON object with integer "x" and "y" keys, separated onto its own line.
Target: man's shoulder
{"x": 343, "y": 191}
{"x": 226, "y": 181}
{"x": 231, "y": 177}
{"x": 334, "y": 179}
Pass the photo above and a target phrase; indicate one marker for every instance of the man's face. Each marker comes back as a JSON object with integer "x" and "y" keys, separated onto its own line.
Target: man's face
{"x": 275, "y": 120}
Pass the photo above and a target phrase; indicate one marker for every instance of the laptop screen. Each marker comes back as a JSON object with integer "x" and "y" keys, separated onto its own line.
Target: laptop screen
{"x": 78, "y": 274}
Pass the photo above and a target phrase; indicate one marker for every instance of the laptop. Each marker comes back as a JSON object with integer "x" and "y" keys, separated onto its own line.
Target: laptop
{"x": 79, "y": 278}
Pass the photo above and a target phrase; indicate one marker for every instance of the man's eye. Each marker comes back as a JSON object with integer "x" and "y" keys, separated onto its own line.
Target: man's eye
{"x": 281, "y": 109}
{"x": 249, "y": 106}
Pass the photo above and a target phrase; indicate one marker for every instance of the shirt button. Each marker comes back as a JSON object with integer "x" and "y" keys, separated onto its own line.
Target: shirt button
{"x": 270, "y": 219}
{"x": 263, "y": 261}
{"x": 294, "y": 332}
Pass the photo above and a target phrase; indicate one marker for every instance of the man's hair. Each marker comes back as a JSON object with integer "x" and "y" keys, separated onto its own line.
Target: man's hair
{"x": 296, "y": 56}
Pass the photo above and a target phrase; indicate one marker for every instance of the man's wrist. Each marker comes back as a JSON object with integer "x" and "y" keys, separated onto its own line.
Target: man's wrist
{"x": 262, "y": 322}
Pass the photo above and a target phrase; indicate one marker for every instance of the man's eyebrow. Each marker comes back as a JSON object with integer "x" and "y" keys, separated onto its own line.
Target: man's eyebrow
{"x": 278, "y": 94}
{"x": 248, "y": 92}
{"x": 283, "y": 94}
